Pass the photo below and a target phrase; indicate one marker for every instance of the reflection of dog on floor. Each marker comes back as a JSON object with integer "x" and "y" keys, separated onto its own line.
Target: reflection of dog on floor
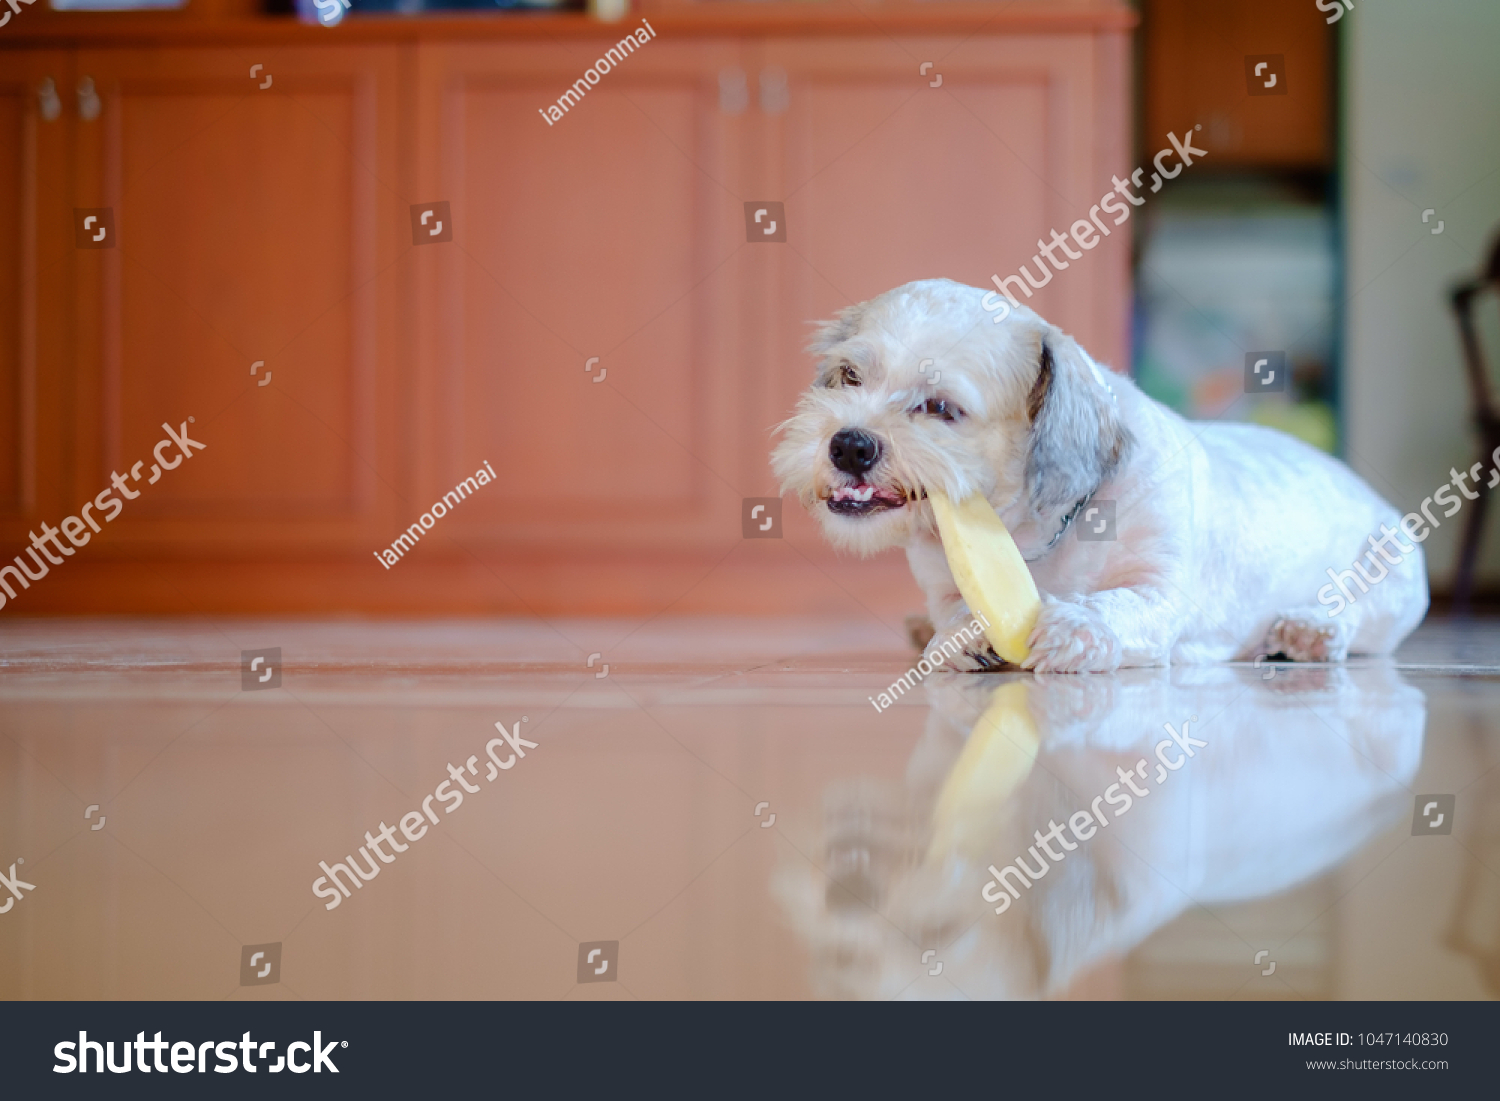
{"x": 1293, "y": 780}
{"x": 1221, "y": 533}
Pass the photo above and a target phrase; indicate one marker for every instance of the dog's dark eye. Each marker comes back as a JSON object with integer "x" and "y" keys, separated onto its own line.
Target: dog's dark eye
{"x": 943, "y": 410}
{"x": 848, "y": 376}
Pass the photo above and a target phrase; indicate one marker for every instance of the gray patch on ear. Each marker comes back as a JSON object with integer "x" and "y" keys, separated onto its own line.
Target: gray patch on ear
{"x": 829, "y": 333}
{"x": 1077, "y": 438}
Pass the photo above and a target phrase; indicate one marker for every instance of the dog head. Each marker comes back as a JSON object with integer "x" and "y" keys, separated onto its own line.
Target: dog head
{"x": 923, "y": 387}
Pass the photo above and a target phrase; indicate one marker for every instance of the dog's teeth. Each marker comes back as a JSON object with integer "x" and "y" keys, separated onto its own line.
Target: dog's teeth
{"x": 860, "y": 494}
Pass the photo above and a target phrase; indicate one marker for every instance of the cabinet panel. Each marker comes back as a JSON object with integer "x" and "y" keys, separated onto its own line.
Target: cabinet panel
{"x": 934, "y": 188}
{"x": 33, "y": 320}
{"x": 17, "y": 282}
{"x": 588, "y": 238}
{"x": 250, "y": 224}
{"x": 593, "y": 241}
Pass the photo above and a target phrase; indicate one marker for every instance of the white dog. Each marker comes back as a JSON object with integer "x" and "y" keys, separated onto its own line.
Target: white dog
{"x": 1223, "y": 533}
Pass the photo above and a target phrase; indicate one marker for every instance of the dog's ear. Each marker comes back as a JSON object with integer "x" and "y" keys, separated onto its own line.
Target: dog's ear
{"x": 844, "y": 325}
{"x": 1077, "y": 437}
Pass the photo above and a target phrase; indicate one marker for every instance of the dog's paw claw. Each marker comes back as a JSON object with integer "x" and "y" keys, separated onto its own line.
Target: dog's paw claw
{"x": 974, "y": 656}
{"x": 1071, "y": 638}
{"x": 987, "y": 658}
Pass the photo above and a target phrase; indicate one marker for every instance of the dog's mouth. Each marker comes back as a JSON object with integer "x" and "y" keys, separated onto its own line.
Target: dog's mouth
{"x": 862, "y": 499}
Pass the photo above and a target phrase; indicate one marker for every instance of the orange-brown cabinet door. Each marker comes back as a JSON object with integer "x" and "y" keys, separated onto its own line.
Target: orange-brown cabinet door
{"x": 914, "y": 158}
{"x": 579, "y": 329}
{"x": 243, "y": 289}
{"x": 36, "y": 120}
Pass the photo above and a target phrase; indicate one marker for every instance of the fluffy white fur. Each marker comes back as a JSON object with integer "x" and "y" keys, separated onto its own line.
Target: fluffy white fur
{"x": 1224, "y": 531}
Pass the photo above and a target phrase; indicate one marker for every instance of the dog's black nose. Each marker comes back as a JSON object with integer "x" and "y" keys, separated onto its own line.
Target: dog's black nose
{"x": 853, "y": 450}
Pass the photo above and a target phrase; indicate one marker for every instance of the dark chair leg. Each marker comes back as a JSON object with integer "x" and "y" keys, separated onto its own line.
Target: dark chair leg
{"x": 1488, "y": 424}
{"x": 1463, "y": 584}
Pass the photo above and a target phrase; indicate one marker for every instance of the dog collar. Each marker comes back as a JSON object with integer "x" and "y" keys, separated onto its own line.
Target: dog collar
{"x": 1067, "y": 522}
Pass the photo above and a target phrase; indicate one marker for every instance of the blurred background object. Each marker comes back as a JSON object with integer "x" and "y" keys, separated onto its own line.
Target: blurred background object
{"x": 1230, "y": 268}
{"x": 1484, "y": 289}
{"x": 1243, "y": 256}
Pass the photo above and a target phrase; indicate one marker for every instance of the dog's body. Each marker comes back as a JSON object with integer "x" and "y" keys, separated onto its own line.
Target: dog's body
{"x": 1224, "y": 533}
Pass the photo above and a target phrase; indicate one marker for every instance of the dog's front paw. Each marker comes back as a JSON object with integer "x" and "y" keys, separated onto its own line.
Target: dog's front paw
{"x": 960, "y": 645}
{"x": 1308, "y": 635}
{"x": 1072, "y": 638}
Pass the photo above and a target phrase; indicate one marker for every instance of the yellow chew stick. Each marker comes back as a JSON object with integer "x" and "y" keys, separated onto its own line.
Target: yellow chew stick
{"x": 991, "y": 574}
{"x": 995, "y": 761}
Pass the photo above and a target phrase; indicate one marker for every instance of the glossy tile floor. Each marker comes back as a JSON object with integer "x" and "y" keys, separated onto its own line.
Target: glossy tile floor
{"x": 715, "y": 810}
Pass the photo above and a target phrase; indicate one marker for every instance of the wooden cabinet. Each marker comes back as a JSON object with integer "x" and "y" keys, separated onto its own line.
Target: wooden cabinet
{"x": 598, "y": 328}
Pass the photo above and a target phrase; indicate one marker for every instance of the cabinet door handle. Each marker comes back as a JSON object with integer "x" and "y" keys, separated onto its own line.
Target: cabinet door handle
{"x": 88, "y": 100}
{"x": 48, "y": 105}
{"x": 774, "y": 94}
{"x": 734, "y": 91}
